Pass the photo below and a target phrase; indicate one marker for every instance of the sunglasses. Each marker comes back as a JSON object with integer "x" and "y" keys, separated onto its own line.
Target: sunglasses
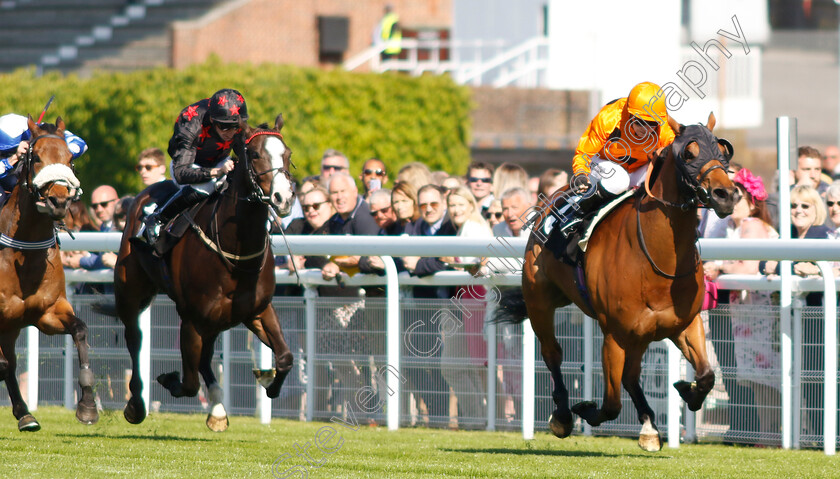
{"x": 497, "y": 215}
{"x": 475, "y": 179}
{"x": 226, "y": 126}
{"x": 433, "y": 205}
{"x": 102, "y": 204}
{"x": 313, "y": 206}
{"x": 832, "y": 203}
{"x": 376, "y": 172}
{"x": 333, "y": 167}
{"x": 145, "y": 167}
{"x": 803, "y": 206}
{"x": 384, "y": 211}
{"x": 650, "y": 124}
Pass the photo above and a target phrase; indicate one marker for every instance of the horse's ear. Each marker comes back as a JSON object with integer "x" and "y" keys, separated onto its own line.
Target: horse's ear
{"x": 59, "y": 123}
{"x": 32, "y": 126}
{"x": 245, "y": 127}
{"x": 278, "y": 122}
{"x": 711, "y": 123}
{"x": 675, "y": 125}
{"x": 726, "y": 149}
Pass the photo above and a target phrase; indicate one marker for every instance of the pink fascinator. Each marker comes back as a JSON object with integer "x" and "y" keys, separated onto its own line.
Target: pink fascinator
{"x": 752, "y": 183}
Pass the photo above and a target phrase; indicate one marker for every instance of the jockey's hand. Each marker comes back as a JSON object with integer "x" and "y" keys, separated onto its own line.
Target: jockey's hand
{"x": 226, "y": 168}
{"x": 580, "y": 183}
{"x": 20, "y": 153}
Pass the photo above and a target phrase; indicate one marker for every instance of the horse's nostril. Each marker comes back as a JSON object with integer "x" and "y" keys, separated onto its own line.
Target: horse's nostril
{"x": 722, "y": 193}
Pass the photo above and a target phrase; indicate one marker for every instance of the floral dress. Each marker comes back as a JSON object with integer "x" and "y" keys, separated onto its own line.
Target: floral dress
{"x": 755, "y": 329}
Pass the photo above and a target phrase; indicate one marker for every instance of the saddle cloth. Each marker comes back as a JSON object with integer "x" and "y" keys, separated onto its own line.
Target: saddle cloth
{"x": 568, "y": 250}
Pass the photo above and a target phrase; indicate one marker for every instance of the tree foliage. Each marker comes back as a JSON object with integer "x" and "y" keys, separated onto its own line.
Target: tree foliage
{"x": 393, "y": 117}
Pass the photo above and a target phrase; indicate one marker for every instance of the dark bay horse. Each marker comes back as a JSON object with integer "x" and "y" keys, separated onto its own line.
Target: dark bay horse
{"x": 644, "y": 281}
{"x": 220, "y": 273}
{"x": 31, "y": 276}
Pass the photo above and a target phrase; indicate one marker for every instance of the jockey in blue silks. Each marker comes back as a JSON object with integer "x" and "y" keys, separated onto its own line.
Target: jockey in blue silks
{"x": 14, "y": 141}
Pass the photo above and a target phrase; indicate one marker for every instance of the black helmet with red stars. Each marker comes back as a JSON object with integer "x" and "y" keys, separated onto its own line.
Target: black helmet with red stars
{"x": 227, "y": 106}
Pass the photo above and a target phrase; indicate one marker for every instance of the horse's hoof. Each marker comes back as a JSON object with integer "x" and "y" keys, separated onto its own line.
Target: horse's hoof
{"x": 650, "y": 442}
{"x": 264, "y": 376}
{"x": 688, "y": 392}
{"x": 217, "y": 420}
{"x": 169, "y": 380}
{"x": 28, "y": 424}
{"x": 135, "y": 411}
{"x": 583, "y": 407}
{"x": 87, "y": 414}
{"x": 683, "y": 387}
{"x": 558, "y": 428}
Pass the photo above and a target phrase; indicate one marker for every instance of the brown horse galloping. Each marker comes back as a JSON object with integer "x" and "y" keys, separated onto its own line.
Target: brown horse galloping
{"x": 31, "y": 276}
{"x": 220, "y": 273}
{"x": 644, "y": 281}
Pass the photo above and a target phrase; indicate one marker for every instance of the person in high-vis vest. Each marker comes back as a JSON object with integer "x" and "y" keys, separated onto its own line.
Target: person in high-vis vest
{"x": 390, "y": 33}
{"x": 612, "y": 154}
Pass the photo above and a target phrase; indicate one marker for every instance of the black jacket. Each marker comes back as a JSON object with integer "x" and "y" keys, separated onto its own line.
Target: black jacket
{"x": 195, "y": 141}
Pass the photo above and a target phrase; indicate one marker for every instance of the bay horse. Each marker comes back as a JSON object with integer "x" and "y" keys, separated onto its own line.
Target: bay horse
{"x": 643, "y": 281}
{"x": 219, "y": 274}
{"x": 32, "y": 291}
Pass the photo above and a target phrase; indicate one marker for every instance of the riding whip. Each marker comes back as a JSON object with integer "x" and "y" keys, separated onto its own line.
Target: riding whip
{"x": 45, "y": 108}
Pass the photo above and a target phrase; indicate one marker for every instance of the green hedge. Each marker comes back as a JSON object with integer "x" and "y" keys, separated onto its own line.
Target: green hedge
{"x": 390, "y": 116}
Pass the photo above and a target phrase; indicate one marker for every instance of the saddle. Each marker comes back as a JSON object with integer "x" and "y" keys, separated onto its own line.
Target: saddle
{"x": 171, "y": 232}
{"x": 570, "y": 249}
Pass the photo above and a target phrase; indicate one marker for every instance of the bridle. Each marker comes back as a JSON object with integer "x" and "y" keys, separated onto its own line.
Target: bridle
{"x": 256, "y": 192}
{"x": 60, "y": 178}
{"x": 690, "y": 181}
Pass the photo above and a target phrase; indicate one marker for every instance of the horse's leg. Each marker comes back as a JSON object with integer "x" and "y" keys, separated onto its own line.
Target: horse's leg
{"x": 542, "y": 321}
{"x": 61, "y": 320}
{"x": 692, "y": 343}
{"x": 133, "y": 293}
{"x": 267, "y": 328}
{"x": 613, "y": 365}
{"x": 26, "y": 422}
{"x": 649, "y": 439}
{"x": 217, "y": 420}
{"x": 191, "y": 349}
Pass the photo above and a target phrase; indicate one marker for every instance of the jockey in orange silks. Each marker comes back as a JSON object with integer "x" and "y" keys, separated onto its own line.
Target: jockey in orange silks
{"x": 613, "y": 150}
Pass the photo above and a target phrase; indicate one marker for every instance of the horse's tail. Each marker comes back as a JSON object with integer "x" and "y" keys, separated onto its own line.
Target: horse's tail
{"x": 105, "y": 307}
{"x": 511, "y": 308}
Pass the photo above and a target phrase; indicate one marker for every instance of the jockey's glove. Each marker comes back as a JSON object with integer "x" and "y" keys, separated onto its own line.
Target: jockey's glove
{"x": 580, "y": 182}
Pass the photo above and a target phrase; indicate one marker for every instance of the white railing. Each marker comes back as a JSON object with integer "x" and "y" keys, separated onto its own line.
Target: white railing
{"x": 470, "y": 62}
{"x": 821, "y": 251}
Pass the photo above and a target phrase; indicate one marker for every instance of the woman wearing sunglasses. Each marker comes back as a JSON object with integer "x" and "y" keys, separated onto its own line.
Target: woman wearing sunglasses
{"x": 807, "y": 215}
{"x": 200, "y": 148}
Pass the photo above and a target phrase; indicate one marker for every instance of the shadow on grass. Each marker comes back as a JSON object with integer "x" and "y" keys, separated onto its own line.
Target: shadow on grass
{"x": 137, "y": 436}
{"x": 539, "y": 452}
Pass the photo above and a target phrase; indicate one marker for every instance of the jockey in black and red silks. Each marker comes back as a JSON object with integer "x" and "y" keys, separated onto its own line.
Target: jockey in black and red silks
{"x": 205, "y": 132}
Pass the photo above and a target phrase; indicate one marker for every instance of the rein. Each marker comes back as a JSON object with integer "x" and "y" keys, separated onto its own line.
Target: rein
{"x": 214, "y": 243}
{"x": 684, "y": 207}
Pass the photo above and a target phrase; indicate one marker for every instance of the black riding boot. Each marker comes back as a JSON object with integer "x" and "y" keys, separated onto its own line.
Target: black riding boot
{"x": 586, "y": 204}
{"x": 183, "y": 199}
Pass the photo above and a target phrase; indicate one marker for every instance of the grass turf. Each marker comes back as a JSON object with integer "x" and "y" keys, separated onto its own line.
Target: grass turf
{"x": 180, "y": 445}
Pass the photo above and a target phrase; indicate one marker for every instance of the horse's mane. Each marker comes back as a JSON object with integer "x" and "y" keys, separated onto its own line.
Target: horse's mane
{"x": 48, "y": 128}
